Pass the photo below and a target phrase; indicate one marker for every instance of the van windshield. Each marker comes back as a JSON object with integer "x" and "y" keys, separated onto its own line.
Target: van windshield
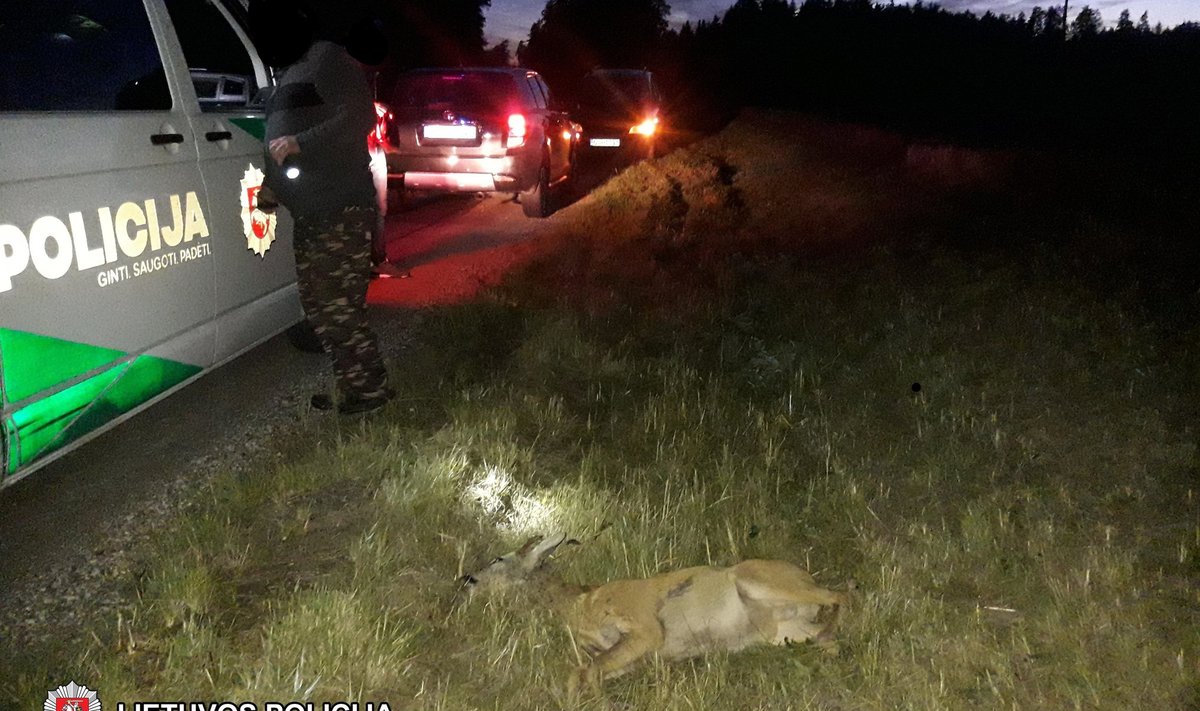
{"x": 619, "y": 89}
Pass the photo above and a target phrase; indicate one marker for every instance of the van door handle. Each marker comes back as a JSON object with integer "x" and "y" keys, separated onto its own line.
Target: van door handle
{"x": 214, "y": 136}
{"x": 164, "y": 139}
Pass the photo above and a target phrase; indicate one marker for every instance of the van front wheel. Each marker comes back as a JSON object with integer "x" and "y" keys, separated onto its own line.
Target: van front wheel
{"x": 304, "y": 338}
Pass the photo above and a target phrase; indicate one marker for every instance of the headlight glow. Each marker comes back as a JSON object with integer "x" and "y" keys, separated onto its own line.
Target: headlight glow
{"x": 645, "y": 128}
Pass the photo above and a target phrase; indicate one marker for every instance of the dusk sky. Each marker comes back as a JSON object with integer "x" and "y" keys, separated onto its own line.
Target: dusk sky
{"x": 510, "y": 19}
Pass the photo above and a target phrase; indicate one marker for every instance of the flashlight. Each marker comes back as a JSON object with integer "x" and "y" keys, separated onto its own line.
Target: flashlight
{"x": 291, "y": 172}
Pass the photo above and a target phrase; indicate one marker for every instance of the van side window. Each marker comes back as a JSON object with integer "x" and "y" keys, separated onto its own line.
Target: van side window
{"x": 222, "y": 69}
{"x": 539, "y": 96}
{"x": 544, "y": 87}
{"x": 80, "y": 55}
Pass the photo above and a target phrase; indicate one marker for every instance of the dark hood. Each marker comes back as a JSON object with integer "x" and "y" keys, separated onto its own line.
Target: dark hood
{"x": 281, "y": 30}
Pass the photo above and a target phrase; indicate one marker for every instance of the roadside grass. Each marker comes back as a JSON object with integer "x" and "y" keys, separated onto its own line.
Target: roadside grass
{"x": 789, "y": 340}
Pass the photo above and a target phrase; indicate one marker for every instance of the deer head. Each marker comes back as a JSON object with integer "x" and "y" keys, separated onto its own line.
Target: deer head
{"x": 515, "y": 568}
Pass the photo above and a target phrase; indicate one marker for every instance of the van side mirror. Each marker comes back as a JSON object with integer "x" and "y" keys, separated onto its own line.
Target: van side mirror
{"x": 262, "y": 96}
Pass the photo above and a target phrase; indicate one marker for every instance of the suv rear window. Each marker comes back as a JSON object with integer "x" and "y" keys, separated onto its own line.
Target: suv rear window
{"x": 460, "y": 91}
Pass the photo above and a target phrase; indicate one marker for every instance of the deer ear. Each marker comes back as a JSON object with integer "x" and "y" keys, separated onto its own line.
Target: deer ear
{"x": 544, "y": 547}
{"x": 528, "y": 546}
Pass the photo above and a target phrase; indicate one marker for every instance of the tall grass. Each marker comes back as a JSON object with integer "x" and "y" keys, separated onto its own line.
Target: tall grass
{"x": 994, "y": 451}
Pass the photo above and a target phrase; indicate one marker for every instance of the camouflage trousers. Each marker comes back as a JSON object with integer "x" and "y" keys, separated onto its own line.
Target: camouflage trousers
{"x": 333, "y": 270}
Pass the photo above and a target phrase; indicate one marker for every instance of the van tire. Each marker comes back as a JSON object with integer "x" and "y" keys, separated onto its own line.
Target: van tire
{"x": 535, "y": 202}
{"x": 304, "y": 338}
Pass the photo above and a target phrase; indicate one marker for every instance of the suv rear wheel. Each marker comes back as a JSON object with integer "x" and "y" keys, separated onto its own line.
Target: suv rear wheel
{"x": 535, "y": 202}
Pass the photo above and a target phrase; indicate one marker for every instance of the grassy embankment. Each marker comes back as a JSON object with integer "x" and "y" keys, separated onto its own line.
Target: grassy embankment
{"x": 719, "y": 358}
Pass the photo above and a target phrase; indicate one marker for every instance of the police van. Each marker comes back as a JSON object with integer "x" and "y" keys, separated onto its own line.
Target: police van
{"x": 133, "y": 257}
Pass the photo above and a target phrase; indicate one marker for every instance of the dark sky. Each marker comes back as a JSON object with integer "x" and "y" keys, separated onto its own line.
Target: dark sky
{"x": 510, "y": 19}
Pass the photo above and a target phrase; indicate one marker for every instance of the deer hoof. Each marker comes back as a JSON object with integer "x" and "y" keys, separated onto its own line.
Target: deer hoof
{"x": 583, "y": 678}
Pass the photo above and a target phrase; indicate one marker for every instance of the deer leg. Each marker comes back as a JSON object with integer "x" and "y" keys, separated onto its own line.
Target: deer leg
{"x": 617, "y": 660}
{"x": 770, "y": 587}
{"x": 824, "y": 638}
{"x": 783, "y": 582}
{"x": 639, "y": 638}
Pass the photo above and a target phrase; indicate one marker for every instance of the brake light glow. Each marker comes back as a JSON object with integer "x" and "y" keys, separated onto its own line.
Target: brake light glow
{"x": 517, "y": 130}
{"x": 645, "y": 128}
{"x": 378, "y": 136}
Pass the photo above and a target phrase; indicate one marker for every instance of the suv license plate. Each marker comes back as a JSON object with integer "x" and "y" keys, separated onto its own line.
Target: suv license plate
{"x": 605, "y": 142}
{"x": 456, "y": 132}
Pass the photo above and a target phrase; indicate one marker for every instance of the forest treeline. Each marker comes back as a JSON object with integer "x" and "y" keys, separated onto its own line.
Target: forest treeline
{"x": 1038, "y": 79}
{"x": 989, "y": 78}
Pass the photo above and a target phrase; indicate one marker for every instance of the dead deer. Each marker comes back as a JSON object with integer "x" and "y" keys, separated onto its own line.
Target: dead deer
{"x": 674, "y": 615}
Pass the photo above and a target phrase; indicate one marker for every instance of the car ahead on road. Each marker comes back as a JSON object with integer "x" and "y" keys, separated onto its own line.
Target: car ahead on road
{"x": 621, "y": 111}
{"x": 480, "y": 130}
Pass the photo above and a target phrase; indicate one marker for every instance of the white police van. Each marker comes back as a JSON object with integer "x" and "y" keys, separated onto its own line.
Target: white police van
{"x": 132, "y": 255}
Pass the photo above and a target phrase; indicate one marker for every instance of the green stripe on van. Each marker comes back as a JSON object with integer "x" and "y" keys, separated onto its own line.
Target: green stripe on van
{"x": 254, "y": 126}
{"x": 41, "y": 425}
{"x": 34, "y": 363}
{"x": 56, "y": 420}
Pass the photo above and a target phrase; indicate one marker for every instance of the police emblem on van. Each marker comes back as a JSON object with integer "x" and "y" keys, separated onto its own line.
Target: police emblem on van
{"x": 258, "y": 225}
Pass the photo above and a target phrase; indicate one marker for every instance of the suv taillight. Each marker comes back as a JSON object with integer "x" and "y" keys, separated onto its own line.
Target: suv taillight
{"x": 517, "y": 130}
{"x": 379, "y": 136}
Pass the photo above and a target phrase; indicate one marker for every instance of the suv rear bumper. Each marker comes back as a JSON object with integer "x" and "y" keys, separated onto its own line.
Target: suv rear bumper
{"x": 446, "y": 182}
{"x": 457, "y": 174}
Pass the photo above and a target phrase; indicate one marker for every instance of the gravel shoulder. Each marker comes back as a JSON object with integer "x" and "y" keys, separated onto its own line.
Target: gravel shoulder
{"x": 71, "y": 532}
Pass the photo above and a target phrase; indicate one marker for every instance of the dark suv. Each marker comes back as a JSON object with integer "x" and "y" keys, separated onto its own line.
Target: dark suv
{"x": 480, "y": 130}
{"x": 621, "y": 112}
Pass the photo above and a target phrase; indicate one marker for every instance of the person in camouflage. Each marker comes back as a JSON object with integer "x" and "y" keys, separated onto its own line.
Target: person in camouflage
{"x": 333, "y": 268}
{"x": 318, "y": 167}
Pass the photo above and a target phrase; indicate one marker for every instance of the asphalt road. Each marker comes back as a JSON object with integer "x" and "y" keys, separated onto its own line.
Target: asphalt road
{"x": 453, "y": 246}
